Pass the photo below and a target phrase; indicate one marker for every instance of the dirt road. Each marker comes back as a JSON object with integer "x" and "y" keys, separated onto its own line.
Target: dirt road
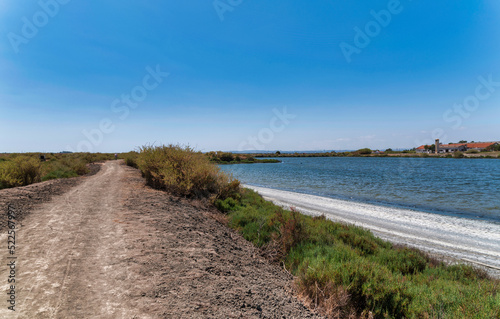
{"x": 112, "y": 248}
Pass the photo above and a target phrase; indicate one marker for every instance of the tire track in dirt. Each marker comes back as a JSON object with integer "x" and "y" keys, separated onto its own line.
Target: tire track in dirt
{"x": 72, "y": 256}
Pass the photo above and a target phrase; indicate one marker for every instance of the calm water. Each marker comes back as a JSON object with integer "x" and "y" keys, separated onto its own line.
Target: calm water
{"x": 459, "y": 187}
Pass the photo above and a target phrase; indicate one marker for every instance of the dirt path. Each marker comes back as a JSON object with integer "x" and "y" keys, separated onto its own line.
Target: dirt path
{"x": 72, "y": 255}
{"x": 112, "y": 248}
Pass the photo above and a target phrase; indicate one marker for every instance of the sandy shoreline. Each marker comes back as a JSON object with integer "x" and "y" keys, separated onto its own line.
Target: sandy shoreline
{"x": 452, "y": 238}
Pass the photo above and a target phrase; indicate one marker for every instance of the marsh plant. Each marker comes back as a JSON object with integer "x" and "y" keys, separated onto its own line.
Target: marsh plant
{"x": 183, "y": 171}
{"x": 25, "y": 169}
{"x": 347, "y": 272}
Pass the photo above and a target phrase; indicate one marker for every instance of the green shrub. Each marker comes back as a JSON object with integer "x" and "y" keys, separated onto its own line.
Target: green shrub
{"x": 364, "y": 151}
{"x": 90, "y": 157}
{"x": 228, "y": 187}
{"x": 76, "y": 163}
{"x": 70, "y": 165}
{"x": 226, "y": 157}
{"x": 226, "y": 205}
{"x": 63, "y": 172}
{"x": 292, "y": 231}
{"x": 472, "y": 151}
{"x": 20, "y": 171}
{"x": 80, "y": 167}
{"x": 458, "y": 155}
{"x": 368, "y": 285}
{"x": 8, "y": 176}
{"x": 185, "y": 172}
{"x": 131, "y": 159}
{"x": 404, "y": 260}
{"x": 132, "y": 162}
{"x": 24, "y": 169}
{"x": 253, "y": 225}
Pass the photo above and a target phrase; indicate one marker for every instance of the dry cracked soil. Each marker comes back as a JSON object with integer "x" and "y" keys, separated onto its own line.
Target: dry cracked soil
{"x": 107, "y": 246}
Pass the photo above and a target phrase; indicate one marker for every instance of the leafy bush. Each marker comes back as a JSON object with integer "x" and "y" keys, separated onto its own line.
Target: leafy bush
{"x": 493, "y": 148}
{"x": 472, "y": 151}
{"x": 20, "y": 171}
{"x": 226, "y": 205}
{"x": 228, "y": 187}
{"x": 131, "y": 159}
{"x": 292, "y": 231}
{"x": 226, "y": 157}
{"x": 185, "y": 172}
{"x": 404, "y": 260}
{"x": 76, "y": 163}
{"x": 24, "y": 169}
{"x": 62, "y": 172}
{"x": 458, "y": 155}
{"x": 364, "y": 151}
{"x": 70, "y": 165}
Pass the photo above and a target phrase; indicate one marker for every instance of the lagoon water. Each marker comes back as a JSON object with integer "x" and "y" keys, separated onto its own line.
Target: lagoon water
{"x": 464, "y": 188}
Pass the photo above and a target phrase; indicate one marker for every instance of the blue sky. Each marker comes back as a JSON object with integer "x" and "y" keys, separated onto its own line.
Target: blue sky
{"x": 247, "y": 74}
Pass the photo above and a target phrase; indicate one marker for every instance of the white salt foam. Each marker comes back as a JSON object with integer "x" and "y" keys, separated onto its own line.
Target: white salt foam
{"x": 474, "y": 241}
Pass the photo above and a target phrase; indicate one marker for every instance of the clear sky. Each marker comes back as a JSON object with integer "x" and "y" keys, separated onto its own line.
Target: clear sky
{"x": 109, "y": 76}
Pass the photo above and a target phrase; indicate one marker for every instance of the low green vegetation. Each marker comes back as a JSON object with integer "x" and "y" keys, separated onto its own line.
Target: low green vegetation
{"x": 130, "y": 158}
{"x": 19, "y": 171}
{"x": 24, "y": 169}
{"x": 230, "y": 158}
{"x": 344, "y": 269}
{"x": 458, "y": 155}
{"x": 298, "y": 154}
{"x": 364, "y": 151}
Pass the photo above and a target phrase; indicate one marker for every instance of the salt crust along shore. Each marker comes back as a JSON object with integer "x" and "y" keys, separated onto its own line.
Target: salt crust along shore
{"x": 452, "y": 238}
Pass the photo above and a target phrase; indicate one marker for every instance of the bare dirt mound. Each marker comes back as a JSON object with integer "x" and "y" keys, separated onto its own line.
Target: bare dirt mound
{"x": 110, "y": 247}
{"x": 201, "y": 269}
